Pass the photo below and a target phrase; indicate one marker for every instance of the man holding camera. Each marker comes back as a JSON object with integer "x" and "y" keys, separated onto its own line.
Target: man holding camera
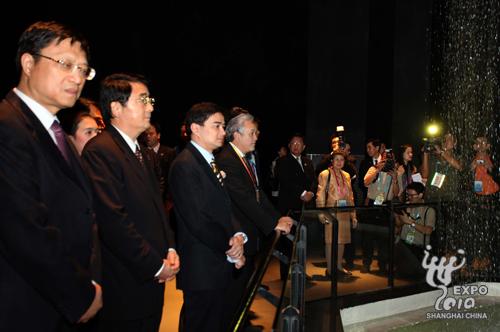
{"x": 381, "y": 183}
{"x": 416, "y": 224}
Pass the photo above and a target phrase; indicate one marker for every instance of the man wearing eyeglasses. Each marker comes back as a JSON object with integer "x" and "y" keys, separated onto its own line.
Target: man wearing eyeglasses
{"x": 137, "y": 245}
{"x": 46, "y": 216}
{"x": 416, "y": 225}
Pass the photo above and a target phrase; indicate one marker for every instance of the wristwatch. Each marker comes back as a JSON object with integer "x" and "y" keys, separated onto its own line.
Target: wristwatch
{"x": 413, "y": 224}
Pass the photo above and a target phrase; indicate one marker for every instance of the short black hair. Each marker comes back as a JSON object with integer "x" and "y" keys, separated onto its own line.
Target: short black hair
{"x": 199, "y": 113}
{"x": 375, "y": 141}
{"x": 417, "y": 186}
{"x": 300, "y": 135}
{"x": 117, "y": 87}
{"x": 40, "y": 34}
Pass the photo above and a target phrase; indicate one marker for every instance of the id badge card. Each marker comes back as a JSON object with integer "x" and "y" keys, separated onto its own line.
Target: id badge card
{"x": 410, "y": 238}
{"x": 478, "y": 186}
{"x": 257, "y": 195}
{"x": 341, "y": 203}
{"x": 438, "y": 180}
{"x": 379, "y": 200}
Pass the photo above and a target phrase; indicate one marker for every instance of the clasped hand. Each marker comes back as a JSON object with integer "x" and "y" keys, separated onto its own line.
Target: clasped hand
{"x": 236, "y": 250}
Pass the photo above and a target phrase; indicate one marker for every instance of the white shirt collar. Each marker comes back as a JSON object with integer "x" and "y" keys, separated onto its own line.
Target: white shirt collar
{"x": 42, "y": 114}
{"x": 156, "y": 147}
{"x": 209, "y": 157}
{"x": 238, "y": 151}
{"x": 132, "y": 144}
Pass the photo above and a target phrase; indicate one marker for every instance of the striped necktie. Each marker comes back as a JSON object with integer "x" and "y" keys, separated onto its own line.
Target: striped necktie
{"x": 216, "y": 171}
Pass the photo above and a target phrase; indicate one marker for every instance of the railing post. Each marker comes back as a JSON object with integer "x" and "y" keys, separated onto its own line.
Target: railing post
{"x": 291, "y": 320}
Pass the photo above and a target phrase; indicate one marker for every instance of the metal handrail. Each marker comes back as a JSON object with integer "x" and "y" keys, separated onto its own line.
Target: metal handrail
{"x": 252, "y": 289}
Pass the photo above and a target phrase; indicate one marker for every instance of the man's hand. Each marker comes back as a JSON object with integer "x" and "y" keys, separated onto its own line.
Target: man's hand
{"x": 236, "y": 243}
{"x": 284, "y": 225}
{"x": 308, "y": 195}
{"x": 240, "y": 263}
{"x": 355, "y": 223}
{"x": 173, "y": 260}
{"x": 380, "y": 165}
{"x": 167, "y": 273}
{"x": 95, "y": 306}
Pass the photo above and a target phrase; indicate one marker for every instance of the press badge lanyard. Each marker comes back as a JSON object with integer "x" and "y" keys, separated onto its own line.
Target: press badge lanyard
{"x": 252, "y": 177}
{"x": 342, "y": 193}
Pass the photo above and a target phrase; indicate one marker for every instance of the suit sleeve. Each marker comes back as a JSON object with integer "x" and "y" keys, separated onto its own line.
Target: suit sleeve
{"x": 187, "y": 192}
{"x": 320, "y": 194}
{"x": 263, "y": 215}
{"x": 116, "y": 228}
{"x": 31, "y": 244}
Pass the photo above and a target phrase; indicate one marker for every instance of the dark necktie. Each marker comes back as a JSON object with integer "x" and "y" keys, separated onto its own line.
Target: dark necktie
{"x": 138, "y": 154}
{"x": 299, "y": 160}
{"x": 216, "y": 171}
{"x": 253, "y": 167}
{"x": 62, "y": 145}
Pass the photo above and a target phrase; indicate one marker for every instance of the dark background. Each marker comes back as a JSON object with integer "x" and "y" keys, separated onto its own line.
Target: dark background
{"x": 299, "y": 66}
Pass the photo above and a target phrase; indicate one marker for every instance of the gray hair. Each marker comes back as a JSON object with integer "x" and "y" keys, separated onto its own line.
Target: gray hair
{"x": 236, "y": 125}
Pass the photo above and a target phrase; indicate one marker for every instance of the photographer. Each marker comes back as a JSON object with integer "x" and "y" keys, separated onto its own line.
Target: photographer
{"x": 441, "y": 170}
{"x": 381, "y": 182}
{"x": 416, "y": 224}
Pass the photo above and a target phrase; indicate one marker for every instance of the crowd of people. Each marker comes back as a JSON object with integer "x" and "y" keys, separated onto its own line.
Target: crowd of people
{"x": 97, "y": 214}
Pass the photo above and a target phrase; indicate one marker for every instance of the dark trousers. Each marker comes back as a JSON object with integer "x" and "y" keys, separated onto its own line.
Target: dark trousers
{"x": 350, "y": 248}
{"x": 204, "y": 311}
{"x": 285, "y": 247}
{"x": 380, "y": 238}
{"x": 408, "y": 259}
{"x": 146, "y": 324}
{"x": 369, "y": 240}
{"x": 237, "y": 289}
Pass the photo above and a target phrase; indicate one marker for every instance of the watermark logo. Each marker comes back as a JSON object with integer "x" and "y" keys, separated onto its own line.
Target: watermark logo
{"x": 439, "y": 271}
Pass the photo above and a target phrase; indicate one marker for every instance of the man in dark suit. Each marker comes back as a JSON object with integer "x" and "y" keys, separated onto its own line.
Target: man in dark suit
{"x": 298, "y": 184}
{"x": 296, "y": 178}
{"x": 165, "y": 156}
{"x": 250, "y": 205}
{"x": 209, "y": 239}
{"x": 136, "y": 242}
{"x": 46, "y": 217}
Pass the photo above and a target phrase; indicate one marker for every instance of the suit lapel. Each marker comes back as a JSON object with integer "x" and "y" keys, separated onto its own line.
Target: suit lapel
{"x": 237, "y": 159}
{"x": 204, "y": 166}
{"x": 145, "y": 172}
{"x": 296, "y": 164}
{"x": 129, "y": 156}
{"x": 39, "y": 133}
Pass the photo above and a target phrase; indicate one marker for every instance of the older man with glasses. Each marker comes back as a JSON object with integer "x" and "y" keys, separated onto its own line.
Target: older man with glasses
{"x": 46, "y": 215}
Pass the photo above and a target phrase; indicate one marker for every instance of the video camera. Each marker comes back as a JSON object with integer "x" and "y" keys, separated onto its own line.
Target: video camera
{"x": 340, "y": 135}
{"x": 430, "y": 143}
{"x": 390, "y": 163}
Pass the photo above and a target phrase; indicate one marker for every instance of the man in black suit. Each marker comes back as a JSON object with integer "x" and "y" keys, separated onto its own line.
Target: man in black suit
{"x": 165, "y": 156}
{"x": 136, "y": 242}
{"x": 298, "y": 184}
{"x": 209, "y": 239}
{"x": 250, "y": 205}
{"x": 46, "y": 217}
{"x": 296, "y": 178}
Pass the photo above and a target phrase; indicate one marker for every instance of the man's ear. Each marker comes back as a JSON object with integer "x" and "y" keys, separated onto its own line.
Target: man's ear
{"x": 27, "y": 63}
{"x": 116, "y": 109}
{"x": 195, "y": 128}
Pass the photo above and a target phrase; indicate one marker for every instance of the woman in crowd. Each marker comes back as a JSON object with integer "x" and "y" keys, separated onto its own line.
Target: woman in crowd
{"x": 334, "y": 190}
{"x": 405, "y": 169}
